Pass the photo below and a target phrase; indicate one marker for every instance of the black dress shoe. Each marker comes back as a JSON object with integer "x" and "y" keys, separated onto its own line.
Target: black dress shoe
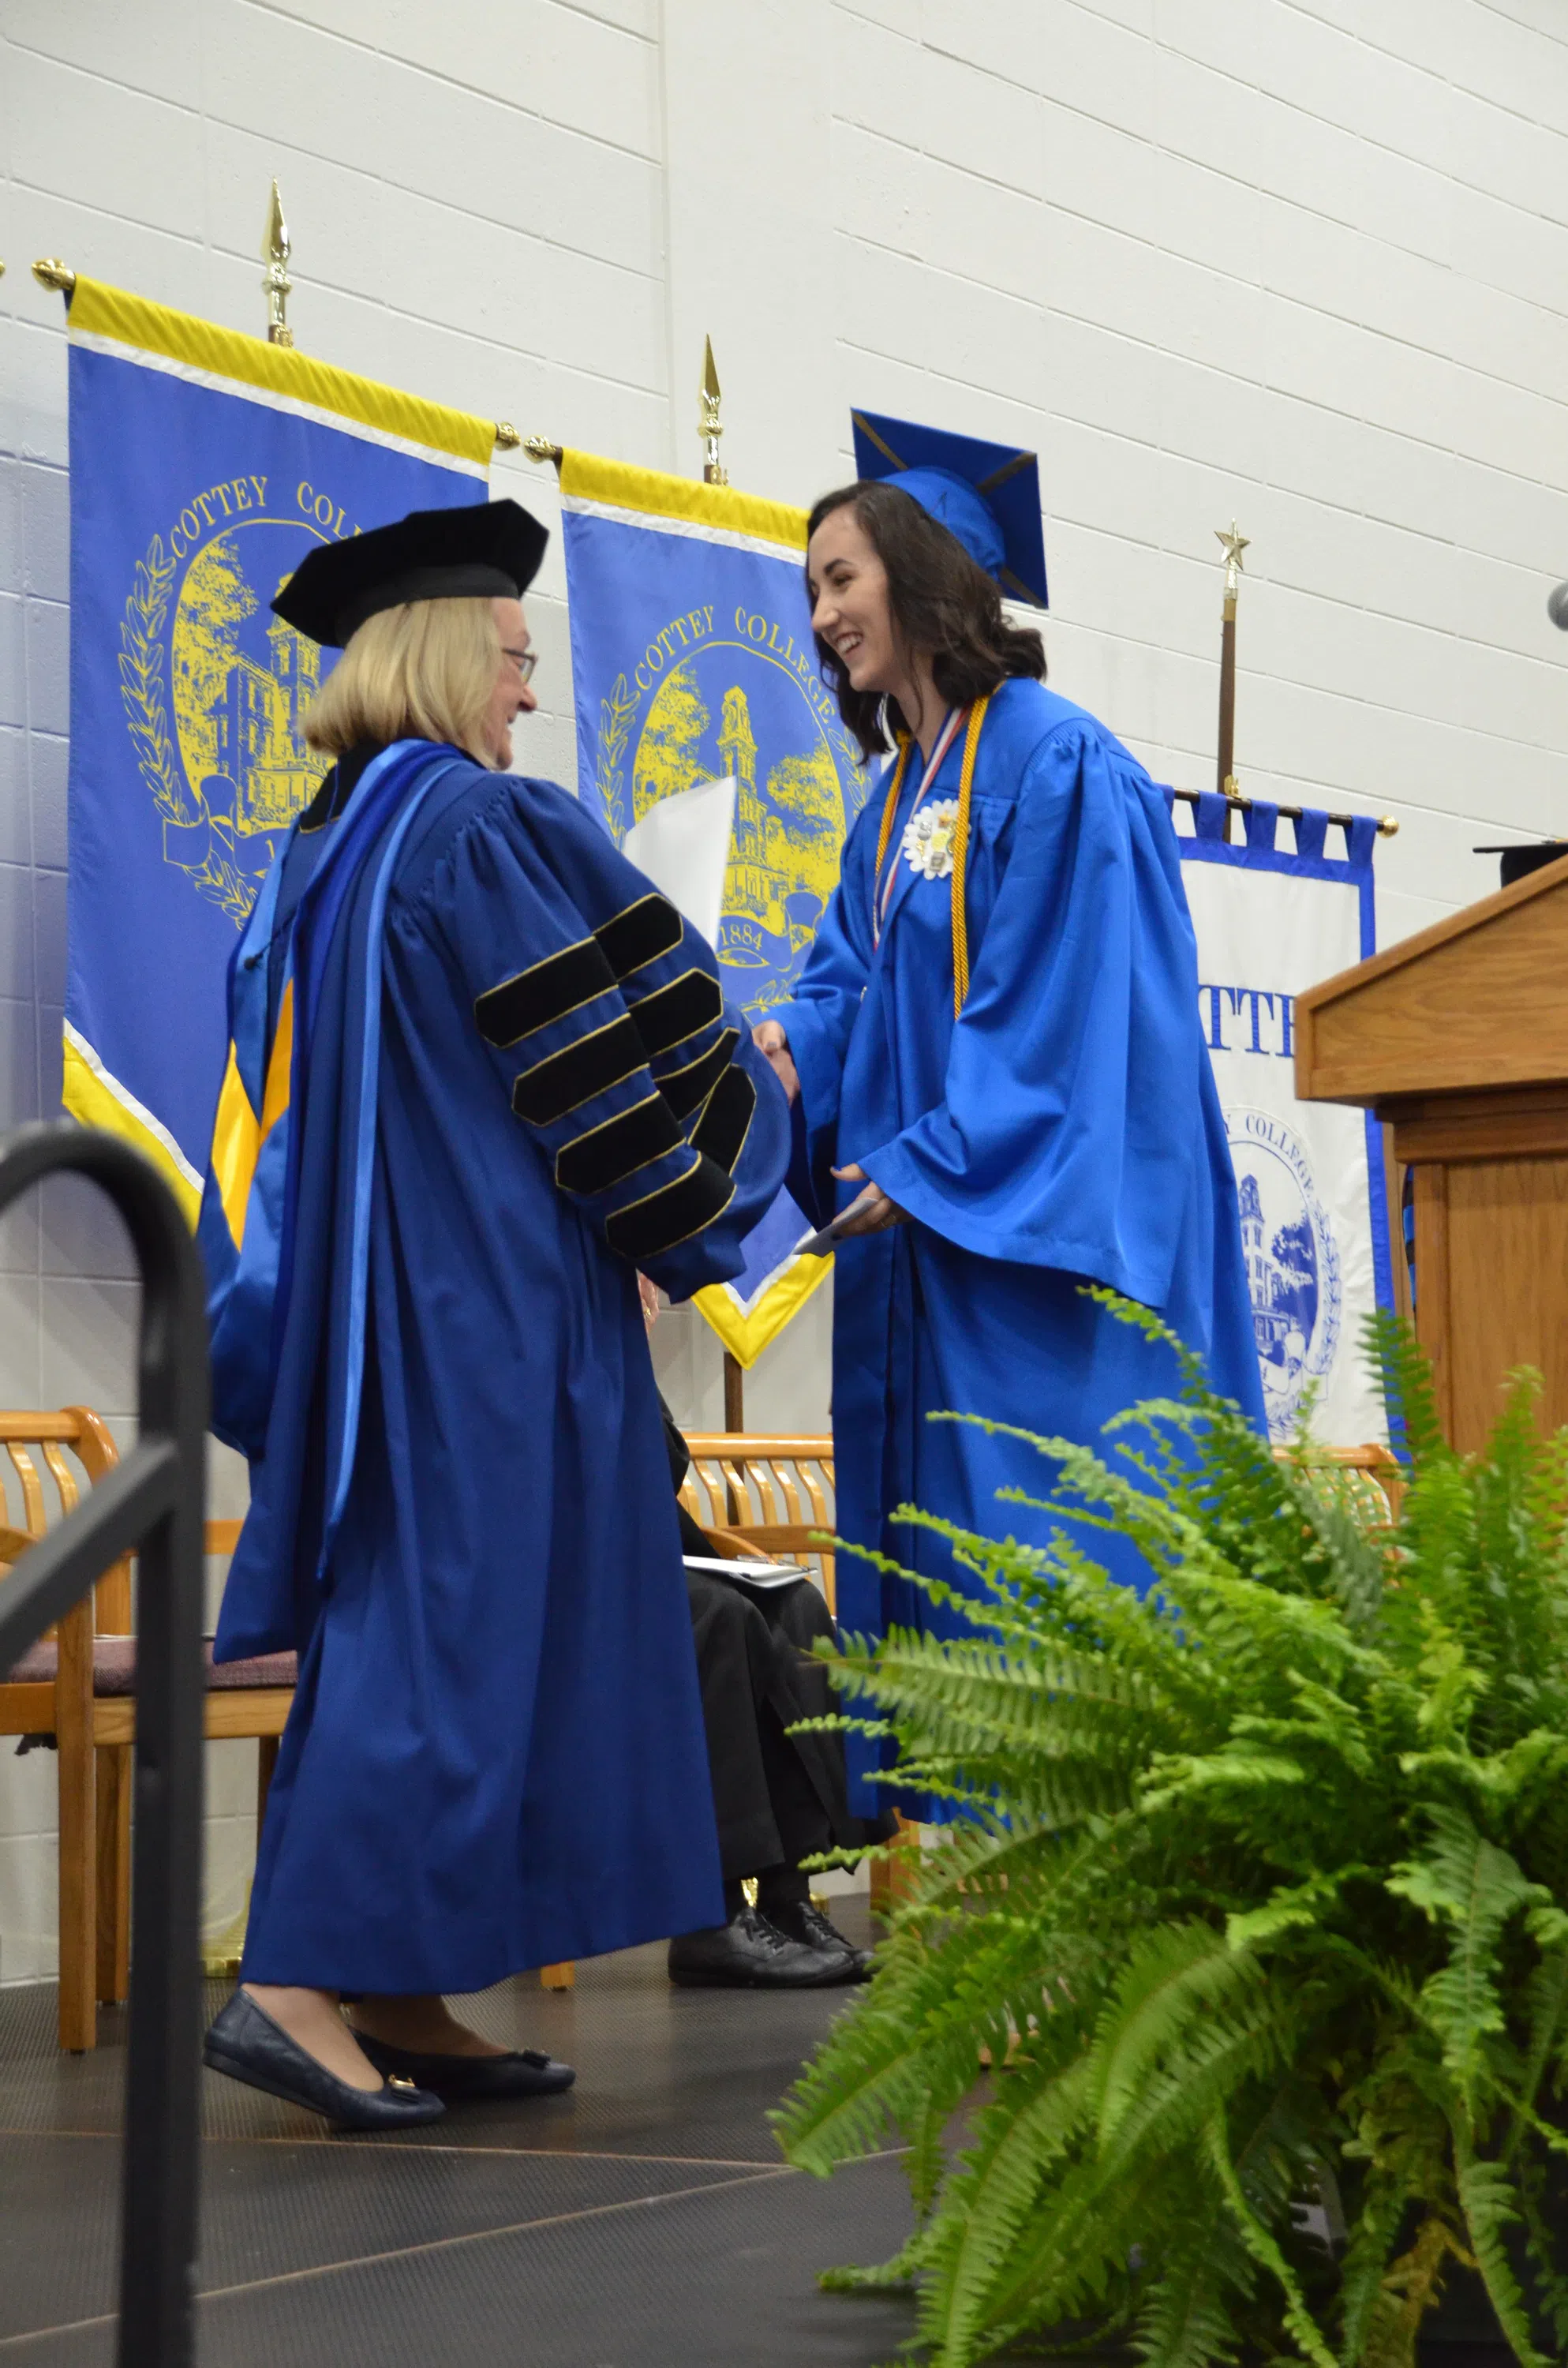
{"x": 750, "y": 1953}
{"x": 248, "y": 2046}
{"x": 803, "y": 1921}
{"x": 464, "y": 2080}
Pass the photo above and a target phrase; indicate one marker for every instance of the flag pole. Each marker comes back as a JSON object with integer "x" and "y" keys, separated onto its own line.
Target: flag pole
{"x": 709, "y": 430}
{"x": 1234, "y": 545}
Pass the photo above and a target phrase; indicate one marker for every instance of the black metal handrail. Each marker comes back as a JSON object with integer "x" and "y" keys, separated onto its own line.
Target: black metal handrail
{"x": 154, "y": 1501}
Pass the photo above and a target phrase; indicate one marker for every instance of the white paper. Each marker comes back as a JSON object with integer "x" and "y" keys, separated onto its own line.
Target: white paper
{"x": 749, "y": 1573}
{"x": 683, "y": 846}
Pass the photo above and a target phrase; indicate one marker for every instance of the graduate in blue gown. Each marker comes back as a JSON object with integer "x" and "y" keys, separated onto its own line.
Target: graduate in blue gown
{"x": 483, "y": 1074}
{"x": 995, "y": 1045}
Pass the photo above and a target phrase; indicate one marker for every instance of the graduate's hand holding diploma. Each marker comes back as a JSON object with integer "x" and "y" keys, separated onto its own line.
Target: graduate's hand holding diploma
{"x": 870, "y": 1211}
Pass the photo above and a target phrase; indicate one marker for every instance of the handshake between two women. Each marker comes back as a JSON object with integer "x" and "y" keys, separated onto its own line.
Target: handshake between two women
{"x": 871, "y": 1210}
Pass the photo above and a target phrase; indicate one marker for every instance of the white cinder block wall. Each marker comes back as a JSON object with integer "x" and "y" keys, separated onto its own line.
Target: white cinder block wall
{"x": 1304, "y": 262}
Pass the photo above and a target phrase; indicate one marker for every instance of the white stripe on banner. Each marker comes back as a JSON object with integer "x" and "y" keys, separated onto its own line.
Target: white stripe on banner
{"x": 139, "y": 1110}
{"x": 1314, "y": 1220}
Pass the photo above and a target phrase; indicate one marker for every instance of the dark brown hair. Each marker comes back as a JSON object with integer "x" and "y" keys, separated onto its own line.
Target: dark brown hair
{"x": 941, "y": 601}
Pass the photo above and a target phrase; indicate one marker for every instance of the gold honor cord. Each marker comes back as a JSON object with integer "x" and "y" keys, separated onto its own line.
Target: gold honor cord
{"x": 960, "y": 855}
{"x": 961, "y": 843}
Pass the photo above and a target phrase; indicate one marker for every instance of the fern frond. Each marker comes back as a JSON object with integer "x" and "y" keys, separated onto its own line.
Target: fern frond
{"x": 1489, "y": 2204}
{"x": 1261, "y": 2245}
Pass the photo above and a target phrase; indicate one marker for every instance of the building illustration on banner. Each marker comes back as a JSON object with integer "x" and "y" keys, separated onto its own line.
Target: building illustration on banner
{"x": 265, "y": 772}
{"x": 1293, "y": 1262}
{"x": 231, "y": 777}
{"x": 728, "y": 708}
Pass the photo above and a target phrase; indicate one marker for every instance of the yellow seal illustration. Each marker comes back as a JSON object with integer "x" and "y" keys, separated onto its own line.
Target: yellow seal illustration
{"x": 215, "y": 688}
{"x": 745, "y": 702}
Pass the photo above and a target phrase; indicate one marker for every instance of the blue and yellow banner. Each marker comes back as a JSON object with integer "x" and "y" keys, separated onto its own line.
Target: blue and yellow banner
{"x": 204, "y": 464}
{"x": 692, "y": 660}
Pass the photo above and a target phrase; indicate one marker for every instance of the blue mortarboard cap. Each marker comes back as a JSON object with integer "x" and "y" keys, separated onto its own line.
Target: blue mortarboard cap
{"x": 985, "y": 494}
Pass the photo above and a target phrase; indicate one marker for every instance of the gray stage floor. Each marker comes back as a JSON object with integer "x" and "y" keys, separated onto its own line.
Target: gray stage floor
{"x": 644, "y": 2221}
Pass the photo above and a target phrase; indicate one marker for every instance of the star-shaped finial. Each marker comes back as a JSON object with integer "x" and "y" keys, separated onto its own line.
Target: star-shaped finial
{"x": 1233, "y": 544}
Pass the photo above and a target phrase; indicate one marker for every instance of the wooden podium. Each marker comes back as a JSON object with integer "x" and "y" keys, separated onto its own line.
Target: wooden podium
{"x": 1458, "y": 1039}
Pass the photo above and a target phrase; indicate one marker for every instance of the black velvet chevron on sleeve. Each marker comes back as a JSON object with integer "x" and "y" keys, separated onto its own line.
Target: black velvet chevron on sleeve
{"x": 672, "y": 1013}
{"x": 645, "y": 930}
{"x": 608, "y": 1153}
{"x": 547, "y": 991}
{"x": 685, "y": 1088}
{"x": 672, "y": 1214}
{"x": 575, "y": 1075}
{"x": 722, "y": 1130}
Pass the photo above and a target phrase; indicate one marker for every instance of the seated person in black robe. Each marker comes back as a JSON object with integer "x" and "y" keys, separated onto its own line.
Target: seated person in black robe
{"x": 778, "y": 1797}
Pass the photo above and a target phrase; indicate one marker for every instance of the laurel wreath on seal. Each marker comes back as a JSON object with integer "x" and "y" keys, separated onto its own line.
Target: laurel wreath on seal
{"x": 141, "y": 680}
{"x": 141, "y": 688}
{"x": 615, "y": 720}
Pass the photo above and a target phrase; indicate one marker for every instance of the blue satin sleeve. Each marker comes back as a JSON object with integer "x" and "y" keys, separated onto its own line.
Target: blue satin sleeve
{"x": 1066, "y": 1133}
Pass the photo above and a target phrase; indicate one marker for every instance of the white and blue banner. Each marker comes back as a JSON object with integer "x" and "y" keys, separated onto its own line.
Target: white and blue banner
{"x": 1272, "y": 918}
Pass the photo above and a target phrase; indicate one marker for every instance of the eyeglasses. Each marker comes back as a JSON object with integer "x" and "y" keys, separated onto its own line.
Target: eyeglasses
{"x": 524, "y": 660}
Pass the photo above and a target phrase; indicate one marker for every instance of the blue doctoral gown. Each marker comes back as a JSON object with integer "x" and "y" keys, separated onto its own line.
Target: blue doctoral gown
{"x": 1066, "y": 1128}
{"x": 461, "y": 1512}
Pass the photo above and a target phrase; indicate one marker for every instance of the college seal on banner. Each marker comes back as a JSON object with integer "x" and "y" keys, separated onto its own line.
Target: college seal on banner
{"x": 1293, "y": 1262}
{"x": 215, "y": 688}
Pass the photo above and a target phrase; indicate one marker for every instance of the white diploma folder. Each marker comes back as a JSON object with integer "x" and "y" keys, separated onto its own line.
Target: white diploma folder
{"x": 683, "y": 844}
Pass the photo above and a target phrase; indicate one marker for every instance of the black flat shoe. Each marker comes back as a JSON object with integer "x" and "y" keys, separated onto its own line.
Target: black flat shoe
{"x": 750, "y": 1953}
{"x": 248, "y": 2046}
{"x": 471, "y": 2079}
{"x": 807, "y": 1923}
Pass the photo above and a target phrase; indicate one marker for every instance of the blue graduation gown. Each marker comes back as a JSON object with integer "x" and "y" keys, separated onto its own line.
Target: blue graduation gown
{"x": 1066, "y": 1128}
{"x": 496, "y": 1756}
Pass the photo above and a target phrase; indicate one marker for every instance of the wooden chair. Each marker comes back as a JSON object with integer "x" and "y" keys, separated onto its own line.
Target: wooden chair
{"x": 77, "y": 1689}
{"x": 769, "y": 1493}
{"x": 1376, "y": 1473}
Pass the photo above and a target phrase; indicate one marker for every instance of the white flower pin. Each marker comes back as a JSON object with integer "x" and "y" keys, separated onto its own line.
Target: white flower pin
{"x": 928, "y": 839}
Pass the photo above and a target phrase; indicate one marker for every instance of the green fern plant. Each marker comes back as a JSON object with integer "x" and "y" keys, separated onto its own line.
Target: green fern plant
{"x": 1257, "y": 1900}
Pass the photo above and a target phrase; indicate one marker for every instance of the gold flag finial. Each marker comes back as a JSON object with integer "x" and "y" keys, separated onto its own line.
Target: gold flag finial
{"x": 49, "y": 272}
{"x": 1232, "y": 544}
{"x": 275, "y": 282}
{"x": 708, "y": 425}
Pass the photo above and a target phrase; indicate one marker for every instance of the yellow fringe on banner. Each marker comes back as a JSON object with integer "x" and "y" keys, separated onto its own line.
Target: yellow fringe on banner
{"x": 583, "y": 477}
{"x": 98, "y": 310}
{"x": 93, "y": 1096}
{"x": 747, "y": 1335}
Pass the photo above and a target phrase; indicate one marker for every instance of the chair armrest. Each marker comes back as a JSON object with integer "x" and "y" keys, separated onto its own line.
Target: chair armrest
{"x": 728, "y": 1546}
